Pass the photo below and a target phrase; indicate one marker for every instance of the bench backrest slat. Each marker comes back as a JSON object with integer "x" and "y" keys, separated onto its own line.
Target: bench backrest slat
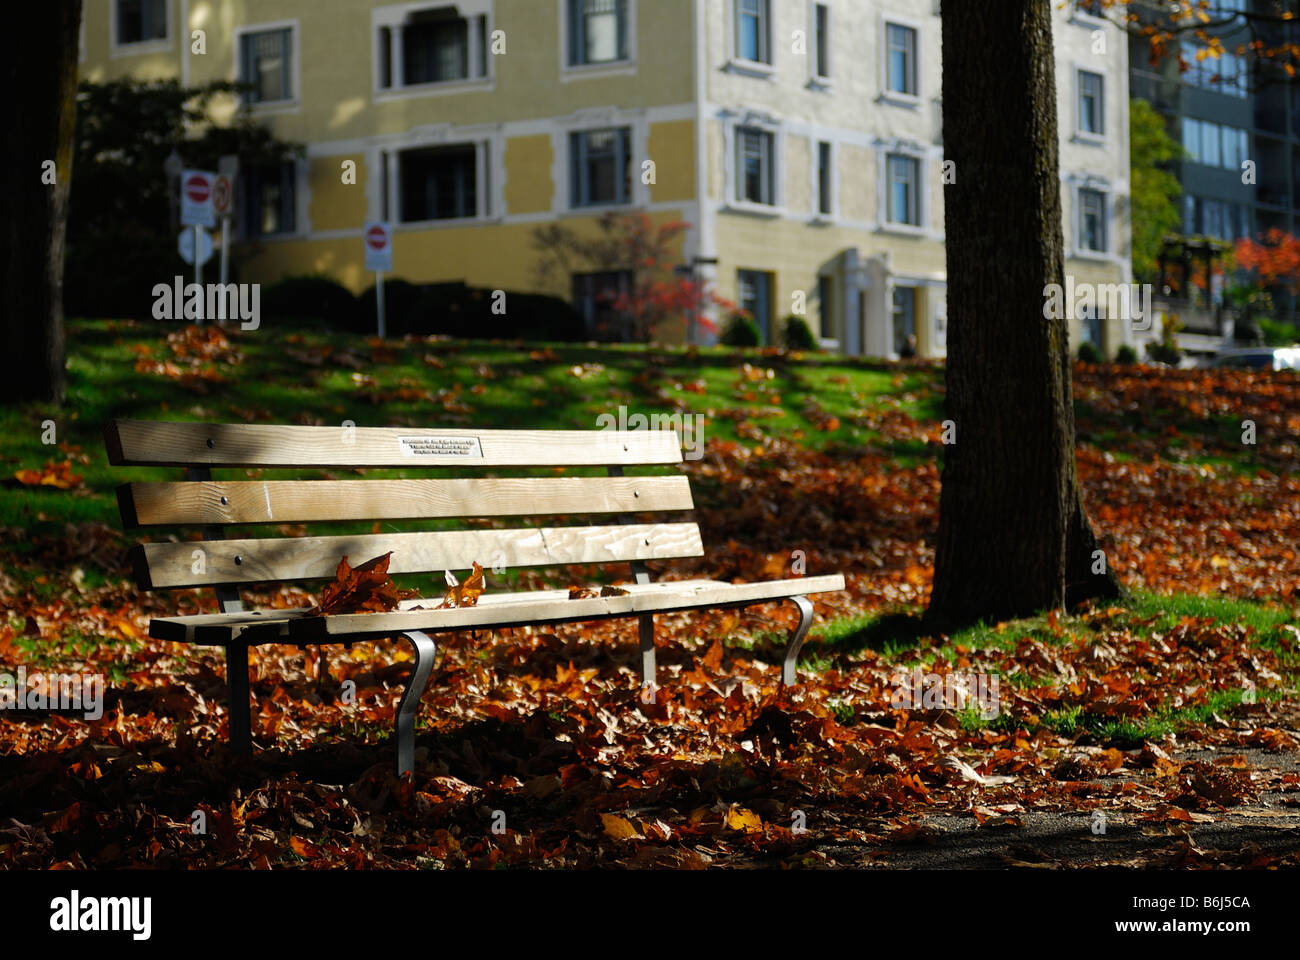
{"x": 213, "y": 562}
{"x": 159, "y": 444}
{"x": 311, "y": 501}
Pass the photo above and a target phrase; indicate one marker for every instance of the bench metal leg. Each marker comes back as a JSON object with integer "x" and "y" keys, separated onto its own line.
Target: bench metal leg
{"x": 647, "y": 628}
{"x": 425, "y": 652}
{"x": 796, "y": 641}
{"x": 241, "y": 740}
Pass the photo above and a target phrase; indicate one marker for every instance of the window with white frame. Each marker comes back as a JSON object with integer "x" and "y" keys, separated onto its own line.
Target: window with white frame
{"x": 598, "y": 31}
{"x": 268, "y": 197}
{"x": 755, "y": 296}
{"x": 601, "y": 167}
{"x": 825, "y": 178}
{"x": 1092, "y": 220}
{"x": 265, "y": 64}
{"x": 438, "y": 183}
{"x": 754, "y": 30}
{"x": 900, "y": 60}
{"x": 826, "y": 306}
{"x": 903, "y": 189}
{"x": 433, "y": 45}
{"x": 1092, "y": 103}
{"x": 821, "y": 52}
{"x": 903, "y": 315}
{"x": 140, "y": 21}
{"x": 755, "y": 166}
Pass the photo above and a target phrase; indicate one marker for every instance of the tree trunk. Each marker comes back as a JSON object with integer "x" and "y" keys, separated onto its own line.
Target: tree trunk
{"x": 1013, "y": 536}
{"x": 39, "y": 54}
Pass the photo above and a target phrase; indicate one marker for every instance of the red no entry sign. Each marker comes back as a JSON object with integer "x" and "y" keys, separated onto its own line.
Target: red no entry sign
{"x": 196, "y": 198}
{"x": 378, "y": 236}
{"x": 197, "y": 189}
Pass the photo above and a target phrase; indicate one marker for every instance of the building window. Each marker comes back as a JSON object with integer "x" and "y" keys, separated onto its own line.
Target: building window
{"x": 139, "y": 21}
{"x": 753, "y": 26}
{"x": 1228, "y": 73}
{"x": 1090, "y": 327}
{"x": 264, "y": 63}
{"x": 825, "y": 301}
{"x": 754, "y": 162}
{"x": 825, "y": 178}
{"x": 438, "y": 183}
{"x": 595, "y": 296}
{"x": 1215, "y": 145}
{"x": 432, "y": 46}
{"x": 1092, "y": 221}
{"x": 598, "y": 31}
{"x": 904, "y": 316}
{"x": 755, "y": 288}
{"x": 601, "y": 171}
{"x": 269, "y": 199}
{"x": 821, "y": 41}
{"x": 903, "y": 189}
{"x": 1092, "y": 103}
{"x": 900, "y": 59}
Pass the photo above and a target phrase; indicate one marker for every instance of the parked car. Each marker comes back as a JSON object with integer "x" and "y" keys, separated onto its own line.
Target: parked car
{"x": 1258, "y": 358}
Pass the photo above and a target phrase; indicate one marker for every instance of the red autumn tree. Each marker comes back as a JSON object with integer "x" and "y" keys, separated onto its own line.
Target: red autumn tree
{"x": 1275, "y": 260}
{"x": 645, "y": 250}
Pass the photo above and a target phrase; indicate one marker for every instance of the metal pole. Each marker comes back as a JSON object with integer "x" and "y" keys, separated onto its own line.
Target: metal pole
{"x": 225, "y": 248}
{"x": 379, "y": 301}
{"x": 198, "y": 260}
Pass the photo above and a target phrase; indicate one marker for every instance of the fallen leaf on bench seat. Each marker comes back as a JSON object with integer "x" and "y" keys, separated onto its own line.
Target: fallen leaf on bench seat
{"x": 463, "y": 594}
{"x": 584, "y": 593}
{"x": 362, "y": 589}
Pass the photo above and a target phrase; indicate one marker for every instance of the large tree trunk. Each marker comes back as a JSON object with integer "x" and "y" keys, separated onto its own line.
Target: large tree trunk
{"x": 39, "y": 57}
{"x": 1012, "y": 530}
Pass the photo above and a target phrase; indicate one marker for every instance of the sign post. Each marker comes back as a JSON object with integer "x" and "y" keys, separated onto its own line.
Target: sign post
{"x": 222, "y": 192}
{"x": 196, "y": 209}
{"x": 378, "y": 236}
{"x": 223, "y": 201}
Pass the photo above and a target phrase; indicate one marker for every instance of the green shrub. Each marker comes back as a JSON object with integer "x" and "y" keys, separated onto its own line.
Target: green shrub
{"x": 1088, "y": 353}
{"x": 399, "y": 303}
{"x": 457, "y": 310}
{"x": 315, "y": 300}
{"x": 741, "y": 331}
{"x": 1164, "y": 353}
{"x": 1126, "y": 354}
{"x": 798, "y": 335}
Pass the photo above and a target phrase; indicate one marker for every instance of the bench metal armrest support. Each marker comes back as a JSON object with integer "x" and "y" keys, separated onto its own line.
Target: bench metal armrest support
{"x": 425, "y": 652}
{"x": 796, "y": 640}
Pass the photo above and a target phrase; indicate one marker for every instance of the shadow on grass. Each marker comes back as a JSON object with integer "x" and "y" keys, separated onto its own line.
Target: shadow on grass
{"x": 888, "y": 633}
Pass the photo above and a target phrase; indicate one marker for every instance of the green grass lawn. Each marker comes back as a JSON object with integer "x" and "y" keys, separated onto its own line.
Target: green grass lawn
{"x": 819, "y": 402}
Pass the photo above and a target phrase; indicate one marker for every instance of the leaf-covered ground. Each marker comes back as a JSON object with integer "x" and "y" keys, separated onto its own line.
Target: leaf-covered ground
{"x": 1159, "y": 733}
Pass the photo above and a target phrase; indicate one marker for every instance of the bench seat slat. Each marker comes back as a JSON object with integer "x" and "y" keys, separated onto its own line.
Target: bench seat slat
{"x": 170, "y": 565}
{"x": 661, "y": 598}
{"x": 306, "y": 501}
{"x": 270, "y": 625}
{"x": 163, "y": 444}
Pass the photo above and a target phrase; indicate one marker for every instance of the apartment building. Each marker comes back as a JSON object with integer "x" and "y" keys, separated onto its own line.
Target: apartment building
{"x": 801, "y": 139}
{"x": 1224, "y": 118}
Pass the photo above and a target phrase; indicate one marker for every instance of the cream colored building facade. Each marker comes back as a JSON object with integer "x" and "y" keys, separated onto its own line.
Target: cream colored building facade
{"x": 800, "y": 139}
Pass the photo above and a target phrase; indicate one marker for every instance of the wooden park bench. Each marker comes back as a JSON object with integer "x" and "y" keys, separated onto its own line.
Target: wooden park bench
{"x": 226, "y": 564}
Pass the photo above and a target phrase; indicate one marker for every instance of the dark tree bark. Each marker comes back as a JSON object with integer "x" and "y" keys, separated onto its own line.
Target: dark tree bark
{"x": 38, "y": 54}
{"x": 1013, "y": 535}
